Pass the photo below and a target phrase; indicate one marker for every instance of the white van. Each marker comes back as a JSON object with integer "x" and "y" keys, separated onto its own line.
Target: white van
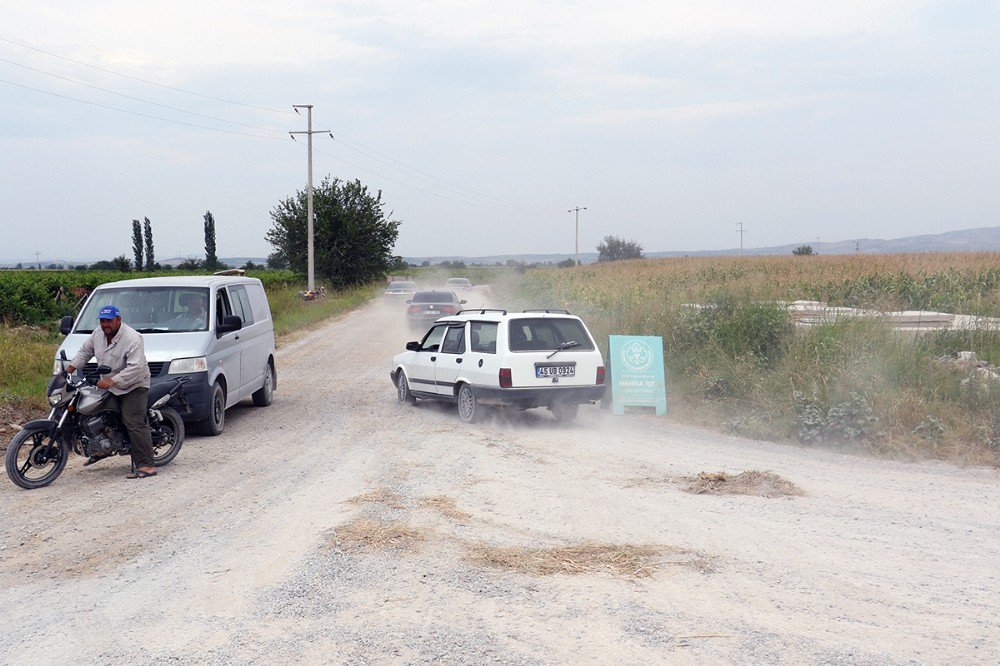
{"x": 216, "y": 329}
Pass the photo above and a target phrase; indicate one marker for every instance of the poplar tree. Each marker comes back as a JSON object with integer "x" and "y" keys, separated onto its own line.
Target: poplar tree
{"x": 150, "y": 259}
{"x": 211, "y": 260}
{"x": 137, "y": 244}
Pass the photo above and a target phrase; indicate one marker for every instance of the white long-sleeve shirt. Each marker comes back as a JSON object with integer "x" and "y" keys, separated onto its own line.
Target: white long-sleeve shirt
{"x": 125, "y": 354}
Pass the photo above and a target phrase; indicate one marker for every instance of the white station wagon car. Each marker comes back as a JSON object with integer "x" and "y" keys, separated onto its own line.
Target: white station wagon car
{"x": 535, "y": 358}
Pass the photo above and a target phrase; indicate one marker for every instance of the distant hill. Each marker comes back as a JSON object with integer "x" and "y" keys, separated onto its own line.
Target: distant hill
{"x": 986, "y": 239}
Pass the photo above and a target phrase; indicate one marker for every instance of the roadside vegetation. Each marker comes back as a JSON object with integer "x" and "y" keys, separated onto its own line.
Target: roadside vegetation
{"x": 734, "y": 356}
{"x": 34, "y": 301}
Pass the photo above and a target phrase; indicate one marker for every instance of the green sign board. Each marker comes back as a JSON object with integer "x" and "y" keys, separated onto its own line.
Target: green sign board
{"x": 637, "y": 373}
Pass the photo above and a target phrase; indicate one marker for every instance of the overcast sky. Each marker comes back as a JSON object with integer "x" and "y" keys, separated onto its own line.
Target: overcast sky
{"x": 482, "y": 123}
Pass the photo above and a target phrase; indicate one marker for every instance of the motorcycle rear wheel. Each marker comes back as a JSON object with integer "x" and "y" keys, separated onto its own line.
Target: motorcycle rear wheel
{"x": 168, "y": 435}
{"x": 34, "y": 459}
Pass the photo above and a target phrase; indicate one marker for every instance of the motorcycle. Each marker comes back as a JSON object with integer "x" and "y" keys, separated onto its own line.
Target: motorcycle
{"x": 88, "y": 420}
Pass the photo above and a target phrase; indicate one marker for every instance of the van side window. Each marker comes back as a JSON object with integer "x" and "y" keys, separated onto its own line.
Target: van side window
{"x": 241, "y": 304}
{"x": 222, "y": 308}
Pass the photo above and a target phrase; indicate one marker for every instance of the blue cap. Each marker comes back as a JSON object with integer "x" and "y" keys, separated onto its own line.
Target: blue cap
{"x": 109, "y": 312}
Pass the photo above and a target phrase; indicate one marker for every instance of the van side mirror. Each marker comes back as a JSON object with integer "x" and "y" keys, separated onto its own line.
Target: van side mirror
{"x": 413, "y": 346}
{"x": 229, "y": 324}
{"x": 66, "y": 325}
{"x": 463, "y": 301}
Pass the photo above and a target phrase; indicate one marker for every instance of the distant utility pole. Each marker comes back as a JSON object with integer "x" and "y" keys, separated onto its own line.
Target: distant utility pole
{"x": 39, "y": 263}
{"x": 309, "y": 186}
{"x": 577, "y": 211}
{"x": 740, "y": 230}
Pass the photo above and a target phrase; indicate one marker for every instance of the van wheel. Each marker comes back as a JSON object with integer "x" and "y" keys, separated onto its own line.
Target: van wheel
{"x": 264, "y": 396}
{"x": 217, "y": 417}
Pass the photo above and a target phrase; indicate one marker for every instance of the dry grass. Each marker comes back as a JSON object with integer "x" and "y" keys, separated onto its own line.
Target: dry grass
{"x": 369, "y": 535}
{"x": 381, "y": 496}
{"x": 621, "y": 560}
{"x": 445, "y": 506}
{"x": 751, "y": 482}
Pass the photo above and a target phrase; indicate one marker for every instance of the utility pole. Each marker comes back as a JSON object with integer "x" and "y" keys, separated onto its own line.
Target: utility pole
{"x": 577, "y": 211}
{"x": 37, "y": 262}
{"x": 309, "y": 186}
{"x": 740, "y": 230}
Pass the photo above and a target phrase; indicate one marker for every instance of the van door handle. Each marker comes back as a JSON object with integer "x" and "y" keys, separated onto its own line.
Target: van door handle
{"x": 237, "y": 336}
{"x": 434, "y": 358}
{"x": 458, "y": 360}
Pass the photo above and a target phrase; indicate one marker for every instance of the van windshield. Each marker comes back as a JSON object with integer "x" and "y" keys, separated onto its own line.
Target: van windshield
{"x": 150, "y": 309}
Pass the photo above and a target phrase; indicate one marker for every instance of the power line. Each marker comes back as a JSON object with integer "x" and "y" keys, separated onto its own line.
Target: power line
{"x": 423, "y": 175}
{"x": 139, "y": 99}
{"x": 137, "y": 113}
{"x": 361, "y": 148}
{"x": 465, "y": 202}
{"x": 136, "y": 78}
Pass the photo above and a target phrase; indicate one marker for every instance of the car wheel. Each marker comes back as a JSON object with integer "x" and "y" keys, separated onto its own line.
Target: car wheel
{"x": 564, "y": 412}
{"x": 403, "y": 389}
{"x": 469, "y": 409}
{"x": 264, "y": 396}
{"x": 216, "y": 420}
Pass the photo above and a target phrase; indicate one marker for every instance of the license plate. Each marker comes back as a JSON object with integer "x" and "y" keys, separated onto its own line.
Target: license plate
{"x": 555, "y": 371}
{"x": 433, "y": 312}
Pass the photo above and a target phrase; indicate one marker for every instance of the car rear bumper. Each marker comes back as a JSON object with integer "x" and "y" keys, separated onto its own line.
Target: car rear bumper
{"x": 543, "y": 396}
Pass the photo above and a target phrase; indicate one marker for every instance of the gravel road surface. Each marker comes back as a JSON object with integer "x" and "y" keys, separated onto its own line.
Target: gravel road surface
{"x": 337, "y": 526}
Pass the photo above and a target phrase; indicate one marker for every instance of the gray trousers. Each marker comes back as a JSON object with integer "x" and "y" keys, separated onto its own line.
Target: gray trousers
{"x": 137, "y": 424}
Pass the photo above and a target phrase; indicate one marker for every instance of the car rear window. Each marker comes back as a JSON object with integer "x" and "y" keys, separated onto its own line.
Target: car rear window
{"x": 531, "y": 334}
{"x": 433, "y": 297}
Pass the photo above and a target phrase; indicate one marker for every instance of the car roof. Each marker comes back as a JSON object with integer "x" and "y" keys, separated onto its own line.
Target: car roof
{"x": 435, "y": 292}
{"x": 182, "y": 281}
{"x": 498, "y": 315}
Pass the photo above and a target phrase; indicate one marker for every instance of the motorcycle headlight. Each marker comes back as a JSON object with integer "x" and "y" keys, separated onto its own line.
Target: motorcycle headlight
{"x": 181, "y": 366}
{"x": 56, "y": 367}
{"x": 54, "y": 399}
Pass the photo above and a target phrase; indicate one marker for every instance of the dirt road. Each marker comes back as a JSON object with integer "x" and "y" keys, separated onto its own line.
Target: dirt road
{"x": 337, "y": 526}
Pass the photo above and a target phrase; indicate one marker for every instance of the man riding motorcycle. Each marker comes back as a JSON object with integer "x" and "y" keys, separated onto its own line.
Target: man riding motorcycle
{"x": 120, "y": 347}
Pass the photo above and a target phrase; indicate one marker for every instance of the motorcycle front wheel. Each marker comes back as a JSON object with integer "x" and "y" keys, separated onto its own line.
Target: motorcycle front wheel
{"x": 168, "y": 435}
{"x": 34, "y": 458}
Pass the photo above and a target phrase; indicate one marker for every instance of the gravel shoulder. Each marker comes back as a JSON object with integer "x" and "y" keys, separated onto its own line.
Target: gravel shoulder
{"x": 337, "y": 526}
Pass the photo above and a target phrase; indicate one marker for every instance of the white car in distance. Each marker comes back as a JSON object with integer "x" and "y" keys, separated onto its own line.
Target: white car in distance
{"x": 535, "y": 358}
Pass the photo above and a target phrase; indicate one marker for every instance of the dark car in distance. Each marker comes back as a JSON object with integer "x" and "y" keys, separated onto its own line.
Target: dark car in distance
{"x": 426, "y": 307}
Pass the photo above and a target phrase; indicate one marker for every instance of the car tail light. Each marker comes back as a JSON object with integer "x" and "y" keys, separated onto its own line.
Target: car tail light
{"x": 506, "y": 381}
{"x": 449, "y": 309}
{"x": 413, "y": 309}
{"x": 600, "y": 374}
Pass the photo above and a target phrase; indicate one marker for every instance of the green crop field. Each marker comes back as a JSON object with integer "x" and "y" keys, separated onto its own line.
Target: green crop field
{"x": 37, "y": 297}
{"x": 734, "y": 356}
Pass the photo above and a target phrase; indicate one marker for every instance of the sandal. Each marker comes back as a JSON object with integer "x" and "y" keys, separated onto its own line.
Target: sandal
{"x": 139, "y": 474}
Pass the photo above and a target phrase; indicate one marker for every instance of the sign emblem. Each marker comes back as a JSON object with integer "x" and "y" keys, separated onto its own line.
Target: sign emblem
{"x": 637, "y": 356}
